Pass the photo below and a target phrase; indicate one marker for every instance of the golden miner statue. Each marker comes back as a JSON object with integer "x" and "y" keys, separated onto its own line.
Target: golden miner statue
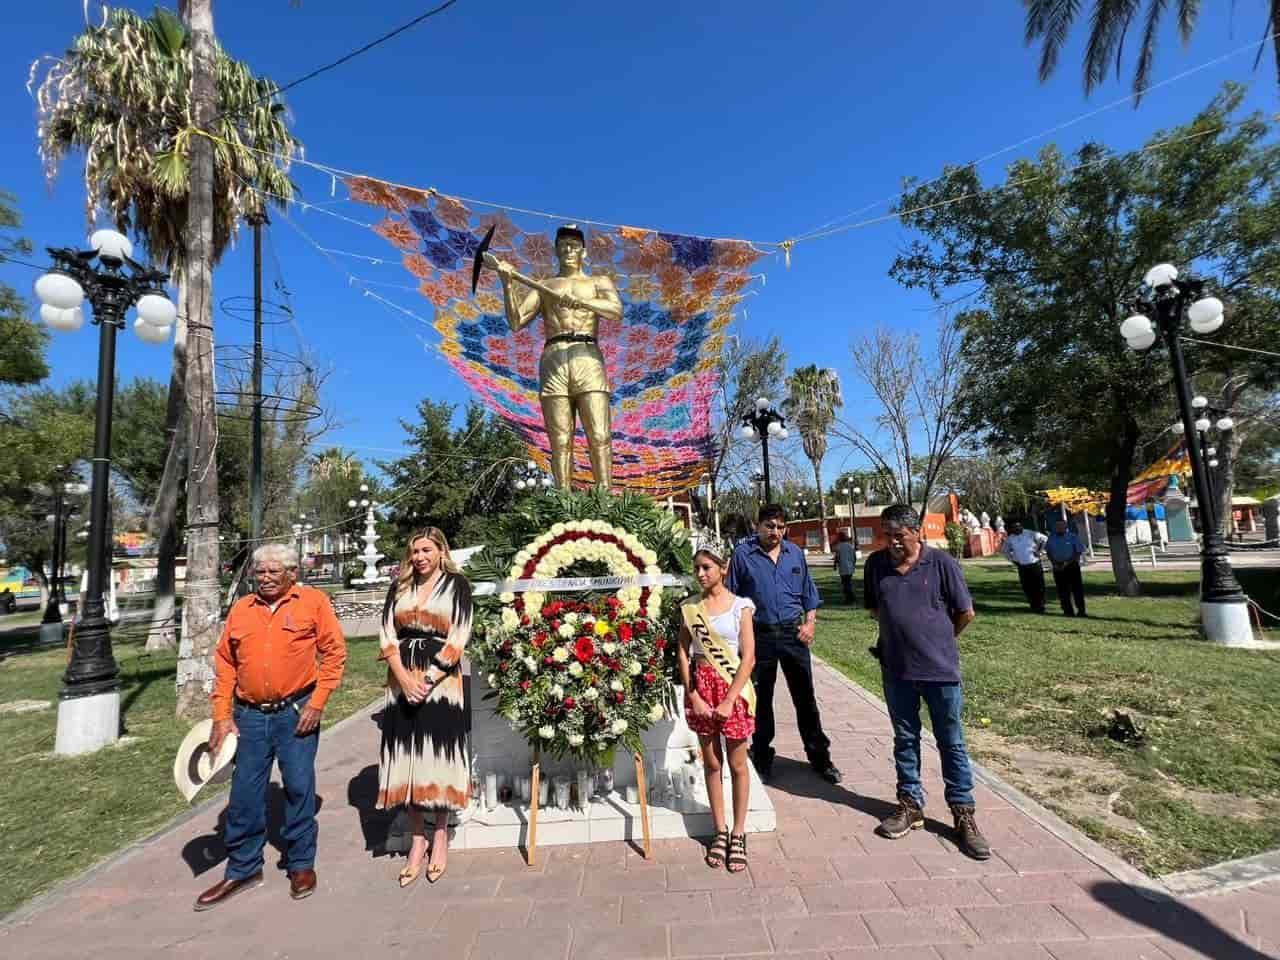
{"x": 571, "y": 373}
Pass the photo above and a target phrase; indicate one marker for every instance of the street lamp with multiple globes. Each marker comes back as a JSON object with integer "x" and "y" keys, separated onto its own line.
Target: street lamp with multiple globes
{"x": 51, "y": 622}
{"x": 89, "y": 702}
{"x": 529, "y": 477}
{"x": 851, "y": 492}
{"x": 764, "y": 422}
{"x": 1163, "y": 303}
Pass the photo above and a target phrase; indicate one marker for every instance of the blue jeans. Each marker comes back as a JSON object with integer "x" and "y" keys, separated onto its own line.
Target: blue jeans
{"x": 266, "y": 738}
{"x": 945, "y": 702}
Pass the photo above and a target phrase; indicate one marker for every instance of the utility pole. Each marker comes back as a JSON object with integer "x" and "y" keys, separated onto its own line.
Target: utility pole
{"x": 255, "y": 472}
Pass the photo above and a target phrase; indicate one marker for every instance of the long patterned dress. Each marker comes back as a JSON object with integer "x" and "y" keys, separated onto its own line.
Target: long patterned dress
{"x": 423, "y": 760}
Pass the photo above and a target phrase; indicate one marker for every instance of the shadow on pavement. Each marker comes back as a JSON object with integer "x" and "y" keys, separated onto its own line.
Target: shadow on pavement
{"x": 362, "y": 794}
{"x": 205, "y": 852}
{"x": 1175, "y": 920}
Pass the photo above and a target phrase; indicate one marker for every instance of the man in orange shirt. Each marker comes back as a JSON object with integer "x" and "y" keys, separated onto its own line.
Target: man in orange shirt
{"x": 280, "y": 657}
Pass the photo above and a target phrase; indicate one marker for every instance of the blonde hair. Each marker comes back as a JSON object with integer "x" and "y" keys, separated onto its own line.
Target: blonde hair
{"x": 408, "y": 577}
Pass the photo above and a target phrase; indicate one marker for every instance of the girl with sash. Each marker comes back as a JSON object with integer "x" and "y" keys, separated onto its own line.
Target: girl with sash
{"x": 716, "y": 655}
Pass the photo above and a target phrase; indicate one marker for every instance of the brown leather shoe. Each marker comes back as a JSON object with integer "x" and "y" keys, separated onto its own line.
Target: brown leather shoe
{"x": 302, "y": 883}
{"x": 224, "y": 890}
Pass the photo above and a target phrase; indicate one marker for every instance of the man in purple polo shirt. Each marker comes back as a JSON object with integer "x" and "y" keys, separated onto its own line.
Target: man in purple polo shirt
{"x": 919, "y": 597}
{"x": 772, "y": 572}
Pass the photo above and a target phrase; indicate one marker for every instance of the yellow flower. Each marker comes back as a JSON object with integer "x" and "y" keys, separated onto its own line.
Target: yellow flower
{"x": 602, "y": 629}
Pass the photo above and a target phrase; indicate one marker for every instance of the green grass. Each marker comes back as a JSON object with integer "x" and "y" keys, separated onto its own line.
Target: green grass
{"x": 1211, "y": 714}
{"x": 59, "y": 815}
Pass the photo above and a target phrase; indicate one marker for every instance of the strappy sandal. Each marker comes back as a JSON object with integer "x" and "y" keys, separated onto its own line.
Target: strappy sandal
{"x": 719, "y": 850}
{"x": 737, "y": 852}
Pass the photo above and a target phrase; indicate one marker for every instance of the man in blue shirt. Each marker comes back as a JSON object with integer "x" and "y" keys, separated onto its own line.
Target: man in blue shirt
{"x": 772, "y": 572}
{"x": 918, "y": 596}
{"x": 1065, "y": 550}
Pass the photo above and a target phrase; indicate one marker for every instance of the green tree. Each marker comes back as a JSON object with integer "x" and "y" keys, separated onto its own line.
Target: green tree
{"x": 813, "y": 394}
{"x": 22, "y": 343}
{"x": 122, "y": 94}
{"x": 1052, "y": 254}
{"x": 1050, "y": 22}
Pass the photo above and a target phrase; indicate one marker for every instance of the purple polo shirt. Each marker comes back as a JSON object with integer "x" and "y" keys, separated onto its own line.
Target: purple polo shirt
{"x": 917, "y": 637}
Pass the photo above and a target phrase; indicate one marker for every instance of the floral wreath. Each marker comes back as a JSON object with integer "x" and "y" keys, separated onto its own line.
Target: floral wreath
{"x": 580, "y": 674}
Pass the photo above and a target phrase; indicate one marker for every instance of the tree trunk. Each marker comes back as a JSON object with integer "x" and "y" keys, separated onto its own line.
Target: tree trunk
{"x": 1225, "y": 478}
{"x": 822, "y": 505}
{"x": 201, "y": 607}
{"x": 163, "y": 523}
{"x": 1121, "y": 469}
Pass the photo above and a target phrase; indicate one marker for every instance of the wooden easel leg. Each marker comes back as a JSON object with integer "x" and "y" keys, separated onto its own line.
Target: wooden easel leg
{"x": 534, "y": 791}
{"x": 643, "y": 790}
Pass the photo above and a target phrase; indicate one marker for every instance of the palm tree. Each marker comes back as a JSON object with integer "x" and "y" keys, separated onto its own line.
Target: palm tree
{"x": 1051, "y": 21}
{"x": 122, "y": 94}
{"x": 812, "y": 397}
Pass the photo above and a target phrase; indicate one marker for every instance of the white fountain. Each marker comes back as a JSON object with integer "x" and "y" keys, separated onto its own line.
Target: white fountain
{"x": 370, "y": 556}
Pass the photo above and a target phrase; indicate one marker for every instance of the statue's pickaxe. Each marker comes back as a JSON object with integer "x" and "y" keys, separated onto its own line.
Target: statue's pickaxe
{"x": 484, "y": 258}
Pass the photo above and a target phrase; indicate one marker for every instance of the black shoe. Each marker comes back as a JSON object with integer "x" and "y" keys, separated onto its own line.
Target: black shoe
{"x": 902, "y": 821}
{"x": 828, "y": 772}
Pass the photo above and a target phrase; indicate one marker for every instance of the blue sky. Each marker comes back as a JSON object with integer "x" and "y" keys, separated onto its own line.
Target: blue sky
{"x": 751, "y": 119}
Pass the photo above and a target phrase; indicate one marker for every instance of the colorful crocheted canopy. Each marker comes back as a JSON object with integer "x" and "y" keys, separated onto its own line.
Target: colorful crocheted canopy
{"x": 678, "y": 294}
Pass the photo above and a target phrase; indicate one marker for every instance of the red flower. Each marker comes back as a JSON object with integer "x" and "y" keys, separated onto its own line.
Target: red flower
{"x": 524, "y": 621}
{"x": 529, "y": 568}
{"x": 538, "y": 640}
{"x": 570, "y": 703}
{"x": 525, "y": 685}
{"x": 506, "y": 647}
{"x": 503, "y": 666}
{"x": 624, "y": 632}
{"x": 618, "y": 697}
{"x": 650, "y": 677}
{"x": 641, "y": 627}
{"x": 555, "y": 625}
{"x": 548, "y": 660}
{"x": 584, "y": 649}
{"x": 660, "y": 643}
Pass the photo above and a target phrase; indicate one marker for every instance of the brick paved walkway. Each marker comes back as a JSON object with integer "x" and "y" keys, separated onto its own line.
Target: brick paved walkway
{"x": 824, "y": 886}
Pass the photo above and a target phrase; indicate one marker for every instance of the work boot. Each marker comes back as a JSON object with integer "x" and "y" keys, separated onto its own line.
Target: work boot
{"x": 909, "y": 816}
{"x": 968, "y": 836}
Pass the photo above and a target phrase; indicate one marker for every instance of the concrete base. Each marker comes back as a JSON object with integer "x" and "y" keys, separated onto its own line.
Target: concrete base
{"x": 86, "y": 724}
{"x": 1227, "y": 624}
{"x": 51, "y": 634}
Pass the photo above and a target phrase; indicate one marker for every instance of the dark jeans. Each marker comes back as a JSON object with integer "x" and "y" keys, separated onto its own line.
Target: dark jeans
{"x": 846, "y": 584}
{"x": 1031, "y": 576}
{"x": 1070, "y": 583}
{"x": 266, "y": 738}
{"x": 945, "y": 702}
{"x": 779, "y": 645}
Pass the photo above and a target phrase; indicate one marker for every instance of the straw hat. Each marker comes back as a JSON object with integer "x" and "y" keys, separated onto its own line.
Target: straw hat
{"x": 195, "y": 765}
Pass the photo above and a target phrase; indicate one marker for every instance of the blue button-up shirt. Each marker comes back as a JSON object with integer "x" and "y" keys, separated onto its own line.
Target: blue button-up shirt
{"x": 1063, "y": 548}
{"x": 783, "y": 592}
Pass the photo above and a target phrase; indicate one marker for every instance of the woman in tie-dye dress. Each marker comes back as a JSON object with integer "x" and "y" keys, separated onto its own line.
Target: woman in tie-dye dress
{"x": 423, "y": 764}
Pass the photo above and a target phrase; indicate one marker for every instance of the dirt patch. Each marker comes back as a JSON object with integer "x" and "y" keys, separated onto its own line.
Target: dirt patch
{"x": 1093, "y": 788}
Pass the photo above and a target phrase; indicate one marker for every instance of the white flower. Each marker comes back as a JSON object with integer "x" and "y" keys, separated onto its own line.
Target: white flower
{"x": 533, "y": 604}
{"x": 531, "y": 664}
{"x": 518, "y": 651}
{"x": 575, "y": 739}
{"x": 557, "y": 691}
{"x": 547, "y": 733}
{"x": 591, "y": 693}
{"x": 557, "y": 529}
{"x": 516, "y": 573}
{"x": 615, "y": 685}
{"x": 618, "y": 726}
{"x": 652, "y": 568}
{"x": 575, "y": 669}
{"x": 570, "y": 617}
{"x": 566, "y": 630}
{"x": 561, "y": 654}
{"x": 492, "y": 679}
{"x": 649, "y": 556}
{"x": 610, "y": 648}
{"x": 509, "y": 619}
{"x": 521, "y": 558}
{"x": 656, "y": 712}
{"x": 507, "y": 597}
{"x": 634, "y": 667}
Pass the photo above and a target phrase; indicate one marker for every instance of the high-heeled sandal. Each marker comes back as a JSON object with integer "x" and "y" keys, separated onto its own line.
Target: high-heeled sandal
{"x": 718, "y": 851}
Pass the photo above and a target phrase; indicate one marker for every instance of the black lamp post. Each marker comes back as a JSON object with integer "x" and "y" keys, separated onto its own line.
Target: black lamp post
{"x": 89, "y": 702}
{"x": 764, "y": 422}
{"x": 529, "y": 478}
{"x": 1165, "y": 301}
{"x": 51, "y": 622}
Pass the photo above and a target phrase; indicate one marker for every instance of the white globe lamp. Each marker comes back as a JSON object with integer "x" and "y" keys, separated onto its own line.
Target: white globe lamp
{"x": 111, "y": 245}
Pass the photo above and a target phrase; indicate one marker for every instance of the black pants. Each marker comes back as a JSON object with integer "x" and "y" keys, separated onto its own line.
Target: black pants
{"x": 779, "y": 645}
{"x": 1031, "y": 576}
{"x": 1070, "y": 583}
{"x": 846, "y": 584}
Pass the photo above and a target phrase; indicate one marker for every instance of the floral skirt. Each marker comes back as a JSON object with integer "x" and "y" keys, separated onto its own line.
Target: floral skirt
{"x": 713, "y": 689}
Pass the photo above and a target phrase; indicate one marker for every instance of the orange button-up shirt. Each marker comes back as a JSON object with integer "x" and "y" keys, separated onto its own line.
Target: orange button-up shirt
{"x": 266, "y": 655}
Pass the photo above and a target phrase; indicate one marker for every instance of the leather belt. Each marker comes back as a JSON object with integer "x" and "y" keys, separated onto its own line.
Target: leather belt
{"x": 570, "y": 338}
{"x": 275, "y": 706}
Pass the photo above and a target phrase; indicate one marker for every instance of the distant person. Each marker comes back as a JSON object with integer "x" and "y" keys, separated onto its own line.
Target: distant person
{"x": 1023, "y": 548}
{"x": 846, "y": 562}
{"x": 1065, "y": 550}
{"x": 770, "y": 571}
{"x": 918, "y": 596}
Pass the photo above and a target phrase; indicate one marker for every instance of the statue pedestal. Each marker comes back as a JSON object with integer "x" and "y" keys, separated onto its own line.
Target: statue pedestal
{"x": 669, "y": 746}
